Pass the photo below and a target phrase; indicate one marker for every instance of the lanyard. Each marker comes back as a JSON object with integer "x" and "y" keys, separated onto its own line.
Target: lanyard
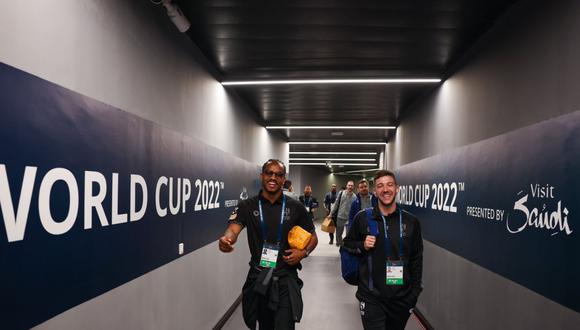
{"x": 306, "y": 201}
{"x": 388, "y": 242}
{"x": 263, "y": 223}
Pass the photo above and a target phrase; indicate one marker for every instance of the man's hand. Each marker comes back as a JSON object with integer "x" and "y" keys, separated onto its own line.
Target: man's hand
{"x": 369, "y": 242}
{"x": 226, "y": 242}
{"x": 295, "y": 256}
{"x": 226, "y": 245}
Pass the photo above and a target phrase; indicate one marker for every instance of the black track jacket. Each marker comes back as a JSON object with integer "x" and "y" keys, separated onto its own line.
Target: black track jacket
{"x": 412, "y": 256}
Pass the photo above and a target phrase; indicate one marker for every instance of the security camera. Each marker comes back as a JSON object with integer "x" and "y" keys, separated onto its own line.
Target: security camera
{"x": 176, "y": 16}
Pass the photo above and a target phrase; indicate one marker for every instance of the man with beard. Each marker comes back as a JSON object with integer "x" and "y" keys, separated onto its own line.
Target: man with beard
{"x": 391, "y": 263}
{"x": 363, "y": 200}
{"x": 271, "y": 295}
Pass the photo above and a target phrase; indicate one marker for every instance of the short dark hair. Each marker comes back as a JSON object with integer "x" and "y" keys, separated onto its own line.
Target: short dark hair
{"x": 269, "y": 161}
{"x": 363, "y": 181}
{"x": 287, "y": 184}
{"x": 383, "y": 173}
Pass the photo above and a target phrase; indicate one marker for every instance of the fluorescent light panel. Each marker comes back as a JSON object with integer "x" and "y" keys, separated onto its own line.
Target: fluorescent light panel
{"x": 332, "y": 164}
{"x": 342, "y": 143}
{"x": 330, "y": 153}
{"x": 337, "y": 159}
{"x": 331, "y": 127}
{"x": 356, "y": 171}
{"x": 332, "y": 81}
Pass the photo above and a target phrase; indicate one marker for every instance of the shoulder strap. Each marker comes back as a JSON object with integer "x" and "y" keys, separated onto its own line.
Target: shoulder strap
{"x": 373, "y": 231}
{"x": 372, "y": 223}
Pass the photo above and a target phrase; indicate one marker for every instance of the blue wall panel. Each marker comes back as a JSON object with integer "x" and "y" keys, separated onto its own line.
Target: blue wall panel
{"x": 45, "y": 126}
{"x": 509, "y": 204}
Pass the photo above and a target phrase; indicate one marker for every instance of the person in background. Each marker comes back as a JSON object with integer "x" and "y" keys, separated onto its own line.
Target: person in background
{"x": 363, "y": 200}
{"x": 288, "y": 190}
{"x": 341, "y": 209}
{"x": 310, "y": 203}
{"x": 329, "y": 200}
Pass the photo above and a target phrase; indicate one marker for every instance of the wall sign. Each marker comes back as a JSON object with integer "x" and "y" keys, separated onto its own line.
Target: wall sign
{"x": 92, "y": 197}
{"x": 509, "y": 204}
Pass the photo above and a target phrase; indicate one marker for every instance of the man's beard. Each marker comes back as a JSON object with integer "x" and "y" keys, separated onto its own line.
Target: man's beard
{"x": 387, "y": 205}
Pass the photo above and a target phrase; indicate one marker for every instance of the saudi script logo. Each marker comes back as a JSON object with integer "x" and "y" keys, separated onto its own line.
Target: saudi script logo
{"x": 547, "y": 213}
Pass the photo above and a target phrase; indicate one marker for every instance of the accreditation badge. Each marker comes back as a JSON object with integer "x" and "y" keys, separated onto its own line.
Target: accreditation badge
{"x": 269, "y": 255}
{"x": 307, "y": 209}
{"x": 394, "y": 272}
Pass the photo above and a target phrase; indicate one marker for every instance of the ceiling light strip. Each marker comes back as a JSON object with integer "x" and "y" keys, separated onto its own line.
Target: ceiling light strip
{"x": 339, "y": 143}
{"x": 337, "y": 159}
{"x": 355, "y": 171}
{"x": 332, "y": 81}
{"x": 330, "y": 153}
{"x": 333, "y": 127}
{"x": 333, "y": 164}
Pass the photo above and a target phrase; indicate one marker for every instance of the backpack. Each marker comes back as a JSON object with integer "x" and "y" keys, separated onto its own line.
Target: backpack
{"x": 349, "y": 261}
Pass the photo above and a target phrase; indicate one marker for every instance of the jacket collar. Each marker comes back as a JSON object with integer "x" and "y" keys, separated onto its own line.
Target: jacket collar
{"x": 377, "y": 213}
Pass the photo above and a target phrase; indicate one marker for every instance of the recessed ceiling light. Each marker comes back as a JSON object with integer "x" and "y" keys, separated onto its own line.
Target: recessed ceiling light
{"x": 332, "y": 81}
{"x": 337, "y": 133}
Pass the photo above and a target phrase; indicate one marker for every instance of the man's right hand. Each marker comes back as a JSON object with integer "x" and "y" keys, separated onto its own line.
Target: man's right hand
{"x": 226, "y": 244}
{"x": 369, "y": 242}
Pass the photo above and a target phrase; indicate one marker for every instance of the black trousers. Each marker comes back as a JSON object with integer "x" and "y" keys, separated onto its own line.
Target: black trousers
{"x": 281, "y": 319}
{"x": 279, "y": 307}
{"x": 379, "y": 315}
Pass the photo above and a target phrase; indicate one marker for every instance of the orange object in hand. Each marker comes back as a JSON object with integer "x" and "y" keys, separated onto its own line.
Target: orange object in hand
{"x": 298, "y": 238}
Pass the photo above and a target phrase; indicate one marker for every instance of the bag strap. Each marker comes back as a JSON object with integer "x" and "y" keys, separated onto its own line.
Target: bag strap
{"x": 337, "y": 205}
{"x": 373, "y": 227}
{"x": 374, "y": 230}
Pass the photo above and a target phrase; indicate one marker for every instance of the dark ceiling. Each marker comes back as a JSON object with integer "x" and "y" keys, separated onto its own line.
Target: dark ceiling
{"x": 300, "y": 39}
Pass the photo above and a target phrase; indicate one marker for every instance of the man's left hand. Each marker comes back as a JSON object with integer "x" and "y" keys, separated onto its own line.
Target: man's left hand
{"x": 294, "y": 256}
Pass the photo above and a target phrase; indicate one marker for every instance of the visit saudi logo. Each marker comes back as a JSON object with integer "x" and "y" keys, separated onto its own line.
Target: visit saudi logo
{"x": 540, "y": 209}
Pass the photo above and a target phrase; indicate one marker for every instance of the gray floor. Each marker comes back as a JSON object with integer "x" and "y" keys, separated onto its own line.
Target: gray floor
{"x": 329, "y": 302}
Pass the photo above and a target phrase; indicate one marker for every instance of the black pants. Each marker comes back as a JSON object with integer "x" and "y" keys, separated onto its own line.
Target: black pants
{"x": 378, "y": 315}
{"x": 281, "y": 319}
{"x": 279, "y": 308}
